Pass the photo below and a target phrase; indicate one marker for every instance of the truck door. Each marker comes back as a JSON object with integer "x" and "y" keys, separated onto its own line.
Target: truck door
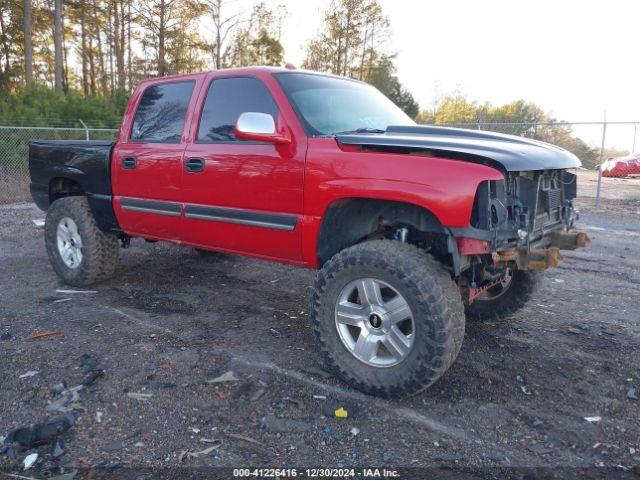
{"x": 146, "y": 166}
{"x": 241, "y": 196}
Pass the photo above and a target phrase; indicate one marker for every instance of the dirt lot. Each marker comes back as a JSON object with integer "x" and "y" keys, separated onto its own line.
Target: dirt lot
{"x": 171, "y": 322}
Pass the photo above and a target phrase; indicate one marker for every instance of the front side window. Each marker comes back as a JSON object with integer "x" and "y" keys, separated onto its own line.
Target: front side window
{"x": 226, "y": 99}
{"x": 331, "y": 105}
{"x": 161, "y": 113}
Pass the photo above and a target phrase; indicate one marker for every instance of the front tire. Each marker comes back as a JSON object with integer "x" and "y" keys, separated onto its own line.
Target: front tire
{"x": 505, "y": 300}
{"x": 387, "y": 318}
{"x": 80, "y": 253}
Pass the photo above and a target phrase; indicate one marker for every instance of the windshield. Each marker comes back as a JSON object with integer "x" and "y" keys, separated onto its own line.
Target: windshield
{"x": 329, "y": 105}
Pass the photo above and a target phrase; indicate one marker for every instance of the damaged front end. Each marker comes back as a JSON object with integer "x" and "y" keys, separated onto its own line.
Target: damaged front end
{"x": 522, "y": 222}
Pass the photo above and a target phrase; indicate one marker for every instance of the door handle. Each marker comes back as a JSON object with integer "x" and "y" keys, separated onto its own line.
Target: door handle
{"x": 129, "y": 163}
{"x": 194, "y": 165}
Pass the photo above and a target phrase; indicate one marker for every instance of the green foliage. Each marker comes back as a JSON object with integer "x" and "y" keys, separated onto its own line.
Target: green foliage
{"x": 258, "y": 42}
{"x": 352, "y": 43}
{"x": 40, "y": 105}
{"x": 382, "y": 76}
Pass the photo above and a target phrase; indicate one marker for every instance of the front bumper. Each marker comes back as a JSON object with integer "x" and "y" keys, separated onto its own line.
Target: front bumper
{"x": 544, "y": 253}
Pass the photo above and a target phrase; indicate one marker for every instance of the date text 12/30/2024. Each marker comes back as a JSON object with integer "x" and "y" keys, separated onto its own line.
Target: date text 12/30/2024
{"x": 315, "y": 473}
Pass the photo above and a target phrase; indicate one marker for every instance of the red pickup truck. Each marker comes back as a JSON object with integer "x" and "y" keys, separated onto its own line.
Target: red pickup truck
{"x": 413, "y": 228}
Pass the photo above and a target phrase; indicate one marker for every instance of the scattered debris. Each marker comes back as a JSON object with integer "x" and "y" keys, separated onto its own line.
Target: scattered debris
{"x": 39, "y": 335}
{"x": 98, "y": 416}
{"x": 38, "y": 222}
{"x": 143, "y": 397}
{"x": 225, "y": 377}
{"x": 355, "y": 431}
{"x": 62, "y": 300}
{"x": 594, "y": 419}
{"x": 93, "y": 369}
{"x": 67, "y": 397}
{"x": 208, "y": 440}
{"x": 30, "y": 373}
{"x": 195, "y": 430}
{"x": 525, "y": 390}
{"x": 338, "y": 410}
{"x": 202, "y": 453}
{"x": 632, "y": 395}
{"x": 92, "y": 376}
{"x": 341, "y": 413}
{"x": 66, "y": 476}
{"x": 244, "y": 438}
{"x": 71, "y": 292}
{"x": 58, "y": 388}
{"x": 274, "y": 332}
{"x": 30, "y": 460}
{"x": 57, "y": 450}
{"x": 42, "y": 433}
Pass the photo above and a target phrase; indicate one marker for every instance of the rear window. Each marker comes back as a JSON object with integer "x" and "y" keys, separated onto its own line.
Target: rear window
{"x": 161, "y": 112}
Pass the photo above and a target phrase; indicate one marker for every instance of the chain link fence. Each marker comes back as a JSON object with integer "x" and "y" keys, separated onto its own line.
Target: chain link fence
{"x": 610, "y": 180}
{"x": 14, "y": 150}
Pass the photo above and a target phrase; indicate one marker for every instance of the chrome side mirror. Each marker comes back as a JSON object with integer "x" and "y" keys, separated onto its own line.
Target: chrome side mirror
{"x": 255, "y": 122}
{"x": 260, "y": 127}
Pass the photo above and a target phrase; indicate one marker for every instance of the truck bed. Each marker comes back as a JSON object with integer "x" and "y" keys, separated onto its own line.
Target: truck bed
{"x": 83, "y": 164}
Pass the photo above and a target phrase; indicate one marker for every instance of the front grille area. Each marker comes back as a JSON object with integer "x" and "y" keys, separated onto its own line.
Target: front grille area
{"x": 551, "y": 199}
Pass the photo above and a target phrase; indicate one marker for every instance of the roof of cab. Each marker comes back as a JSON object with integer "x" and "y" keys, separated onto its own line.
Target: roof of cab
{"x": 242, "y": 70}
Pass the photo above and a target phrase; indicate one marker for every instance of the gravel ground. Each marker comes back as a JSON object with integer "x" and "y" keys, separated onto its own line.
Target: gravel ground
{"x": 172, "y": 321}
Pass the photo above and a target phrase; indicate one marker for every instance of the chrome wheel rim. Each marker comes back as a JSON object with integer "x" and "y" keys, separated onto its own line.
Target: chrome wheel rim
{"x": 69, "y": 243}
{"x": 375, "y": 322}
{"x": 500, "y": 289}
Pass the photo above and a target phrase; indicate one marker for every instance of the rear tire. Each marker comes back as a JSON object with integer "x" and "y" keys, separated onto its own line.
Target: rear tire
{"x": 500, "y": 304}
{"x": 434, "y": 307}
{"x": 80, "y": 253}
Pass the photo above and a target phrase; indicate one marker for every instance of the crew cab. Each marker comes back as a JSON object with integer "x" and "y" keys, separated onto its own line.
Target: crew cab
{"x": 413, "y": 229}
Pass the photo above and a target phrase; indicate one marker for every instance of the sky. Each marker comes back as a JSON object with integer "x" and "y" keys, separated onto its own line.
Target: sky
{"x": 577, "y": 59}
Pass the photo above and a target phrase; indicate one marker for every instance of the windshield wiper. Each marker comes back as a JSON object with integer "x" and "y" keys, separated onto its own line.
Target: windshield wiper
{"x": 361, "y": 130}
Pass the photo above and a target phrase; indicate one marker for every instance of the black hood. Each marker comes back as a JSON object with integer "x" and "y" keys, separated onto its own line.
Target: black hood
{"x": 508, "y": 152}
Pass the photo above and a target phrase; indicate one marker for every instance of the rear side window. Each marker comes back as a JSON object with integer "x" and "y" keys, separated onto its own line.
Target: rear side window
{"x": 161, "y": 112}
{"x": 226, "y": 99}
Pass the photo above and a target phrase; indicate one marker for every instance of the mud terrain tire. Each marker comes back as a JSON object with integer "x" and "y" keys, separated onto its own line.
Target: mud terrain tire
{"x": 523, "y": 285}
{"x": 434, "y": 301}
{"x": 98, "y": 251}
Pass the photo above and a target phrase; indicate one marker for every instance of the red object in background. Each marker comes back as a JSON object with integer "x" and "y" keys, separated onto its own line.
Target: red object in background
{"x": 621, "y": 167}
{"x": 269, "y": 179}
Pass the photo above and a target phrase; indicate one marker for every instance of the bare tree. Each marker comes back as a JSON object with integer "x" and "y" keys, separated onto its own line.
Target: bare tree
{"x": 222, "y": 27}
{"x": 57, "y": 40}
{"x": 28, "y": 45}
{"x": 103, "y": 73}
{"x": 83, "y": 50}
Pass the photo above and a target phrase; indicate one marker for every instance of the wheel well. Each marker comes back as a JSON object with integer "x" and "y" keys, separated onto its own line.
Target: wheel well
{"x": 63, "y": 187}
{"x": 351, "y": 220}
